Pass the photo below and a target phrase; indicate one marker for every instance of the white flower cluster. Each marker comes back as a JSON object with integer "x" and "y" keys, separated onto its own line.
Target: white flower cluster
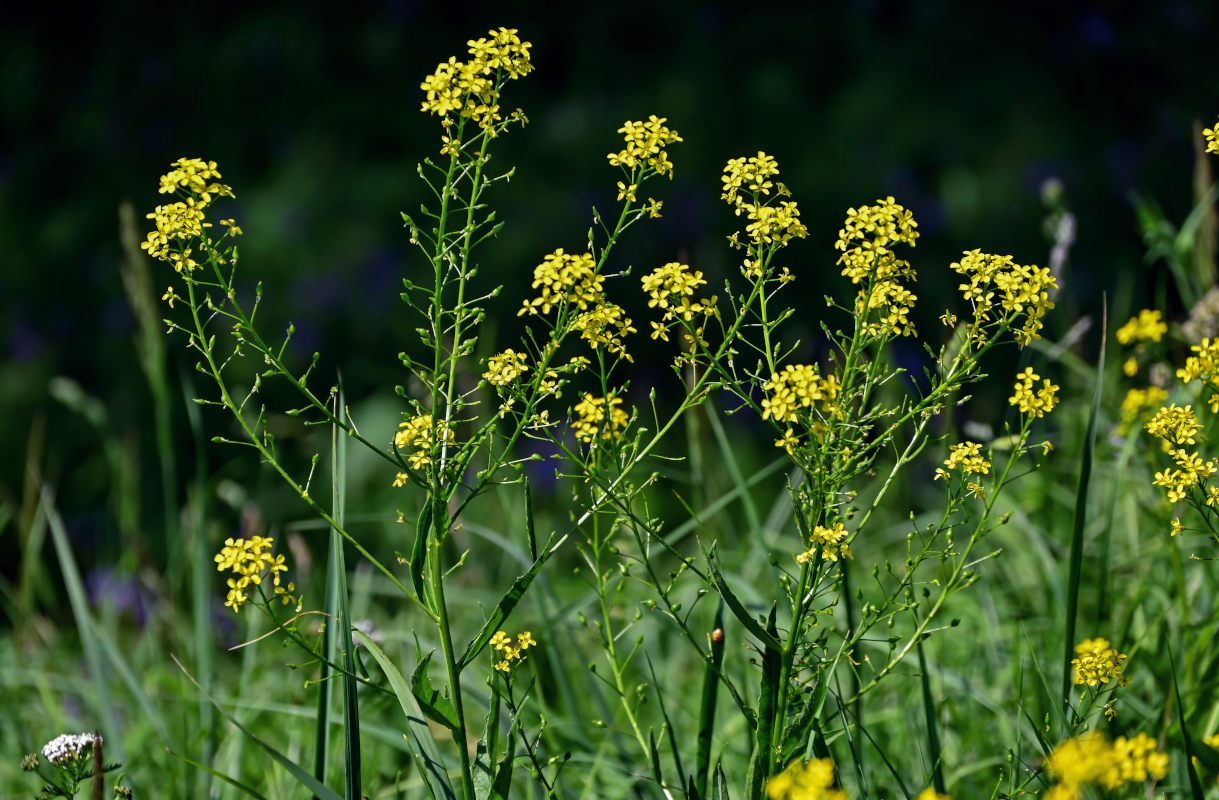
{"x": 69, "y": 747}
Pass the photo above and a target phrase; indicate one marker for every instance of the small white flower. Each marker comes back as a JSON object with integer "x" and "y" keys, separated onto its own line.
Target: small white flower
{"x": 69, "y": 747}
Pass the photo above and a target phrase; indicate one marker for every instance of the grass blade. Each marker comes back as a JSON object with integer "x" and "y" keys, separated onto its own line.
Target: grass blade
{"x": 419, "y": 736}
{"x": 706, "y": 710}
{"x": 1195, "y": 785}
{"x": 1081, "y": 513}
{"x": 337, "y": 572}
{"x": 294, "y": 769}
{"x": 933, "y": 736}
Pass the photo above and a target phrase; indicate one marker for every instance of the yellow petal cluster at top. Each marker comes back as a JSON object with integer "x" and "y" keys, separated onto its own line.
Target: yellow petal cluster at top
{"x": 422, "y": 436}
{"x": 604, "y": 326}
{"x": 565, "y": 278}
{"x": 747, "y": 188}
{"x": 591, "y": 418}
{"x": 866, "y": 241}
{"x": 193, "y": 180}
{"x": 504, "y": 368}
{"x": 931, "y": 794}
{"x": 471, "y": 88}
{"x": 1002, "y": 292}
{"x": 1177, "y": 427}
{"x": 646, "y": 141}
{"x": 511, "y": 652}
{"x": 1035, "y": 403}
{"x": 966, "y": 457}
{"x": 796, "y": 387}
{"x": 1212, "y": 138}
{"x": 1204, "y": 366}
{"x": 830, "y": 541}
{"x": 1090, "y": 759}
{"x": 805, "y": 780}
{"x": 248, "y": 559}
{"x": 1097, "y": 662}
{"x": 671, "y": 289}
{"x": 1147, "y": 326}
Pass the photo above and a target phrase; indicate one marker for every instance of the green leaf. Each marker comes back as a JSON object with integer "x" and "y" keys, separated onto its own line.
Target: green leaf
{"x": 418, "y": 736}
{"x": 419, "y": 555}
{"x": 1081, "y": 512}
{"x": 482, "y": 772}
{"x": 735, "y": 605}
{"x": 706, "y": 711}
{"x": 435, "y": 705}
{"x": 772, "y": 669}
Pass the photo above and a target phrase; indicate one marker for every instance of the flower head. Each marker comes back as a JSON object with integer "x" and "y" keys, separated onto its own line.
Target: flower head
{"x": 797, "y": 387}
{"x": 869, "y": 261}
{"x": 1096, "y": 663}
{"x": 70, "y": 747}
{"x": 646, "y": 141}
{"x": 1146, "y": 326}
{"x": 249, "y": 561}
{"x": 599, "y": 417}
{"x": 511, "y": 652}
{"x": 1212, "y": 138}
{"x": 1005, "y": 294}
{"x": 471, "y": 88}
{"x": 830, "y": 541}
{"x": 565, "y": 278}
{"x": 505, "y": 367}
{"x": 811, "y": 780}
{"x": 1033, "y": 402}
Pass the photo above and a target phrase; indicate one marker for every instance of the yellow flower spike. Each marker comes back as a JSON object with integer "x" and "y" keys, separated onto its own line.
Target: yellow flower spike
{"x": 931, "y": 794}
{"x": 812, "y": 780}
{"x": 645, "y": 142}
{"x": 1145, "y": 327}
{"x": 591, "y": 415}
{"x": 1034, "y": 403}
{"x": 1212, "y": 138}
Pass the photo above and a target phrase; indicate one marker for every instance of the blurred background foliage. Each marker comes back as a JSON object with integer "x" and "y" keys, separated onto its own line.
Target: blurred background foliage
{"x": 959, "y": 110}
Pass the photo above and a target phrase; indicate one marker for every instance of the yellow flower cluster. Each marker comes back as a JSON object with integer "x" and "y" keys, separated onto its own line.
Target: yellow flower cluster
{"x": 795, "y": 387}
{"x": 868, "y": 260}
{"x": 471, "y": 88}
{"x": 830, "y": 541}
{"x": 671, "y": 289}
{"x": 1002, "y": 291}
{"x": 179, "y": 222}
{"x": 812, "y": 780}
{"x": 1204, "y": 367}
{"x": 511, "y": 653}
{"x": 504, "y": 368}
{"x": 645, "y": 147}
{"x": 565, "y": 278}
{"x": 1090, "y": 759}
{"x": 1096, "y": 662}
{"x": 422, "y": 435}
{"x": 1146, "y": 327}
{"x": 968, "y": 458}
{"x": 604, "y": 326}
{"x": 1137, "y": 403}
{"x": 1212, "y": 138}
{"x": 769, "y": 224}
{"x": 247, "y": 559}
{"x": 1175, "y": 425}
{"x": 1033, "y": 403}
{"x": 591, "y": 413}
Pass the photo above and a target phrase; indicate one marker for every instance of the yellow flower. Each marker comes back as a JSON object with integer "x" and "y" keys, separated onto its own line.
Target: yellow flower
{"x": 1212, "y": 138}
{"x": 565, "y": 278}
{"x": 247, "y": 559}
{"x": 420, "y": 433}
{"x": 1098, "y": 663}
{"x": 511, "y": 655}
{"x": 812, "y": 780}
{"x": 1033, "y": 403}
{"x": 1002, "y": 292}
{"x": 604, "y": 326}
{"x": 471, "y": 88}
{"x": 868, "y": 260}
{"x": 505, "y": 367}
{"x": 591, "y": 413}
{"x": 645, "y": 143}
{"x": 797, "y": 387}
{"x": 1175, "y": 425}
{"x": 829, "y": 541}
{"x": 1146, "y": 326}
{"x": 931, "y": 794}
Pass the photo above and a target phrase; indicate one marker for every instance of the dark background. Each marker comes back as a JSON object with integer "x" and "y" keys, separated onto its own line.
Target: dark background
{"x": 957, "y": 109}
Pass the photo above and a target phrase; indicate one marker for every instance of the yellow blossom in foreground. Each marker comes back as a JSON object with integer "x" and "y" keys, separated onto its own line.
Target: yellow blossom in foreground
{"x": 1033, "y": 403}
{"x": 1090, "y": 759}
{"x": 1003, "y": 292}
{"x": 1212, "y": 138}
{"x": 812, "y": 780}
{"x": 797, "y": 387}
{"x": 604, "y": 326}
{"x": 511, "y": 652}
{"x": 505, "y": 367}
{"x": 830, "y": 541}
{"x": 1204, "y": 367}
{"x": 645, "y": 143}
{"x": 869, "y": 261}
{"x": 1212, "y": 740}
{"x": 931, "y": 794}
{"x": 591, "y": 415}
{"x": 471, "y": 88}
{"x": 419, "y": 433}
{"x": 747, "y": 187}
{"x": 1147, "y": 326}
{"x": 967, "y": 457}
{"x": 248, "y": 560}
{"x": 1096, "y": 663}
{"x": 565, "y": 278}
